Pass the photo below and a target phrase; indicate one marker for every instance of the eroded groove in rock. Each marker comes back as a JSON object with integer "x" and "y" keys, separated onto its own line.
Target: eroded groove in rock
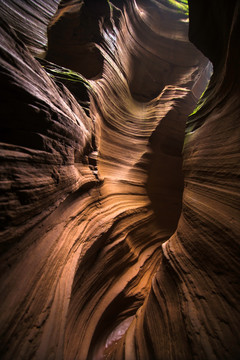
{"x": 123, "y": 127}
{"x": 194, "y": 295}
{"x": 30, "y": 20}
{"x": 94, "y": 263}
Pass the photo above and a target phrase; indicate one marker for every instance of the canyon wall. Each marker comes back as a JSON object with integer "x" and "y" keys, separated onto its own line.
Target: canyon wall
{"x": 119, "y": 211}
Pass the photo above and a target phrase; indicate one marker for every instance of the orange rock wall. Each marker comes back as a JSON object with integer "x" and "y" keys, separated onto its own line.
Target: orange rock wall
{"x": 119, "y": 222}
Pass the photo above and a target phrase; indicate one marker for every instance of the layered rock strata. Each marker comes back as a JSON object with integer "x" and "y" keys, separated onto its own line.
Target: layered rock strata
{"x": 95, "y": 262}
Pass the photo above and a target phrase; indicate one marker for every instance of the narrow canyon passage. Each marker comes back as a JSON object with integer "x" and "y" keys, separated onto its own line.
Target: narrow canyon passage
{"x": 120, "y": 213}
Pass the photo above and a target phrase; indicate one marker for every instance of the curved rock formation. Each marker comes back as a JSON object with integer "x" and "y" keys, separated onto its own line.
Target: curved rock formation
{"x": 113, "y": 246}
{"x": 73, "y": 34}
{"x": 30, "y": 19}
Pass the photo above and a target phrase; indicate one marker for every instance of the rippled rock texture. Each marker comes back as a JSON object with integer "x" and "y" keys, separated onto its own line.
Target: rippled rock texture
{"x": 119, "y": 222}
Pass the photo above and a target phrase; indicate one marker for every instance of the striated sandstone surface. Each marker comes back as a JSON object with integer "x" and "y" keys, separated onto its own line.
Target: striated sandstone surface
{"x": 113, "y": 244}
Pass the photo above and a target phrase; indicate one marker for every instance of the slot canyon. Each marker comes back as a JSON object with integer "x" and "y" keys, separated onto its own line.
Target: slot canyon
{"x": 120, "y": 179}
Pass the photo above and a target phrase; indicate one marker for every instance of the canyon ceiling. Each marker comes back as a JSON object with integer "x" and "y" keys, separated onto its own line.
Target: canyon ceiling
{"x": 120, "y": 179}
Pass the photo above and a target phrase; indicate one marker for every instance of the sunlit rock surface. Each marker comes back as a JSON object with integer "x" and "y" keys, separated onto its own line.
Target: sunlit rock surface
{"x": 30, "y": 20}
{"x": 113, "y": 244}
